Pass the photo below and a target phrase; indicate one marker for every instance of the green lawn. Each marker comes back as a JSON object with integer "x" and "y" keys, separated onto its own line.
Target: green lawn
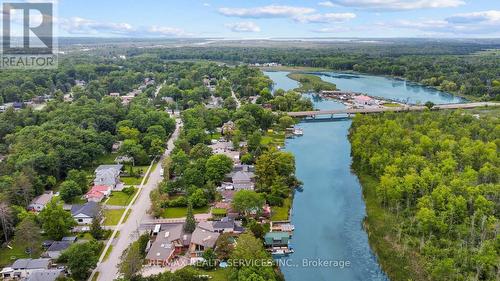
{"x": 216, "y": 136}
{"x": 8, "y": 256}
{"x": 392, "y": 105}
{"x": 275, "y": 138}
{"x": 120, "y": 198}
{"x": 131, "y": 180}
{"x": 180, "y": 212}
{"x": 112, "y": 217}
{"x": 108, "y": 158}
{"x": 281, "y": 213}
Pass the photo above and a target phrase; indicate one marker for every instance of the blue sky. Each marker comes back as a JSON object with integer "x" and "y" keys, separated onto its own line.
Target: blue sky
{"x": 271, "y": 19}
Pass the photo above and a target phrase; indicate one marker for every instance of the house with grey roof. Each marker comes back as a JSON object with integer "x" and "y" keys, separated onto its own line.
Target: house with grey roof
{"x": 83, "y": 214}
{"x": 202, "y": 239}
{"x": 55, "y": 250}
{"x": 39, "y": 202}
{"x": 23, "y": 268}
{"x": 241, "y": 177}
{"x": 108, "y": 175}
{"x": 168, "y": 243}
{"x": 45, "y": 275}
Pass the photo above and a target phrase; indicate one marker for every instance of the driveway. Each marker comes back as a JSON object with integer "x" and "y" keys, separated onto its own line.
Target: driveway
{"x": 129, "y": 230}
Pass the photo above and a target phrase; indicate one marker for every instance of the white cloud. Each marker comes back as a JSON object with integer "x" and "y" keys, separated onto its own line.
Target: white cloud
{"x": 271, "y": 11}
{"x": 82, "y": 26}
{"x": 246, "y": 26}
{"x": 490, "y": 17}
{"x": 325, "y": 18}
{"x": 474, "y": 23}
{"x": 329, "y": 4}
{"x": 399, "y": 4}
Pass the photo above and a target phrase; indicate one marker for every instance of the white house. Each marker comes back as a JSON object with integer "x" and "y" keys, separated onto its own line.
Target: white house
{"x": 83, "y": 214}
{"x": 39, "y": 202}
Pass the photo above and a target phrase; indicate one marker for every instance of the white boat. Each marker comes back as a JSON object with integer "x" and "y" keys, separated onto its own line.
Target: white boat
{"x": 298, "y": 132}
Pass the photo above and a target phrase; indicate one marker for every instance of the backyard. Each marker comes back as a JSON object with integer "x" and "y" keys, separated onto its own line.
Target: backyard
{"x": 112, "y": 216}
{"x": 180, "y": 212}
{"x": 120, "y": 198}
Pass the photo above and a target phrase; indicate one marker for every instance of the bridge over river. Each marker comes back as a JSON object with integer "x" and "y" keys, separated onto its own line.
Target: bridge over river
{"x": 350, "y": 111}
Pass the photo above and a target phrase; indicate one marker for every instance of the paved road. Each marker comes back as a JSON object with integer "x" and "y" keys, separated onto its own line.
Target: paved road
{"x": 395, "y": 109}
{"x": 129, "y": 230}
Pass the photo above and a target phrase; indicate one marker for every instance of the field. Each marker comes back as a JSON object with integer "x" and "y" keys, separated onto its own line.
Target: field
{"x": 180, "y": 212}
{"x": 120, "y": 198}
{"x": 112, "y": 217}
{"x": 7, "y": 256}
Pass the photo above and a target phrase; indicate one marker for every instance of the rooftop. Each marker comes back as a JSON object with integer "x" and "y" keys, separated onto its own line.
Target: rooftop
{"x": 88, "y": 209}
{"x": 31, "y": 264}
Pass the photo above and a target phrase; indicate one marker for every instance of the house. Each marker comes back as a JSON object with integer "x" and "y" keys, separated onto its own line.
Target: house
{"x": 115, "y": 95}
{"x": 364, "y": 100}
{"x": 226, "y": 148}
{"x": 169, "y": 242}
{"x": 241, "y": 177}
{"x": 276, "y": 239}
{"x": 55, "y": 250}
{"x": 97, "y": 193}
{"x": 228, "y": 127}
{"x": 227, "y": 225}
{"x": 83, "y": 214}
{"x": 45, "y": 275}
{"x": 116, "y": 146}
{"x": 23, "y": 268}
{"x": 39, "y": 202}
{"x": 108, "y": 175}
{"x": 202, "y": 239}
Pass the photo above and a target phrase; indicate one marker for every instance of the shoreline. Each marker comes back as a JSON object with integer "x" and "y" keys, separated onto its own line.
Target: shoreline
{"x": 318, "y": 70}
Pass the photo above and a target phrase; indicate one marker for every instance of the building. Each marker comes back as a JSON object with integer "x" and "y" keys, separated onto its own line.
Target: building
{"x": 108, "y": 175}
{"x": 39, "y": 202}
{"x": 97, "y": 193}
{"x": 364, "y": 100}
{"x": 201, "y": 240}
{"x": 115, "y": 95}
{"x": 55, "y": 250}
{"x": 228, "y": 127}
{"x": 168, "y": 243}
{"x": 83, "y": 214}
{"x": 23, "y": 268}
{"x": 45, "y": 275}
{"x": 241, "y": 177}
{"x": 276, "y": 239}
{"x": 226, "y": 148}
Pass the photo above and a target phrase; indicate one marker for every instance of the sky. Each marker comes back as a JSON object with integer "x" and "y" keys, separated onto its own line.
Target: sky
{"x": 278, "y": 19}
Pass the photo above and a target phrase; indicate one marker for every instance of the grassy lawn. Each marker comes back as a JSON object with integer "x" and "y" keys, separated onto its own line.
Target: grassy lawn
{"x": 398, "y": 263}
{"x": 8, "y": 256}
{"x": 85, "y": 236}
{"x": 112, "y": 217}
{"x": 311, "y": 83}
{"x": 120, "y": 198}
{"x": 219, "y": 274}
{"x": 275, "y": 138}
{"x": 281, "y": 213}
{"x": 180, "y": 212}
{"x": 131, "y": 180}
{"x": 392, "y": 105}
{"x": 108, "y": 158}
{"x": 216, "y": 136}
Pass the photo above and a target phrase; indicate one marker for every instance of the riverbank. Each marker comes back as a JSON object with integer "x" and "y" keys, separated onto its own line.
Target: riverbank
{"x": 311, "y": 82}
{"x": 398, "y": 261}
{"x": 318, "y": 70}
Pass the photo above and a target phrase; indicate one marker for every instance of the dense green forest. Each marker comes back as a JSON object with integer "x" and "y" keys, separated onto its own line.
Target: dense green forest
{"x": 465, "y": 69}
{"x": 437, "y": 174}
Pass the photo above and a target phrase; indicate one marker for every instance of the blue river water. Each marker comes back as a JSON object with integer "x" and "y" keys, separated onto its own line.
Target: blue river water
{"x": 329, "y": 212}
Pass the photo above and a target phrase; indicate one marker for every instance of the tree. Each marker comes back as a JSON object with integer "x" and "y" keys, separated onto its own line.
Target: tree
{"x": 224, "y": 246}
{"x": 6, "y": 219}
{"x": 429, "y": 104}
{"x": 210, "y": 259}
{"x": 81, "y": 258}
{"x": 248, "y": 202}
{"x": 56, "y": 222}
{"x": 217, "y": 167}
{"x": 28, "y": 234}
{"x": 286, "y": 122}
{"x": 69, "y": 190}
{"x": 95, "y": 228}
{"x": 80, "y": 177}
{"x": 131, "y": 261}
{"x": 190, "y": 223}
{"x": 198, "y": 199}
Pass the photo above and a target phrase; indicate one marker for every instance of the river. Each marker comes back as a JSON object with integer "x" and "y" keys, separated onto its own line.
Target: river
{"x": 328, "y": 213}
